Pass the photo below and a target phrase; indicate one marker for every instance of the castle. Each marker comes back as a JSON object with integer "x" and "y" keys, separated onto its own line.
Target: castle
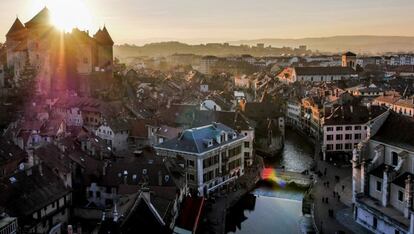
{"x": 61, "y": 61}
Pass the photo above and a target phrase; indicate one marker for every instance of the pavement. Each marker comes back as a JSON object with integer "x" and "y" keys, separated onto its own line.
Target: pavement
{"x": 342, "y": 219}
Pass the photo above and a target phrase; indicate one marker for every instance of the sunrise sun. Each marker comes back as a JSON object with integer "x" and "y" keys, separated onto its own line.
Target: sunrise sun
{"x": 68, "y": 14}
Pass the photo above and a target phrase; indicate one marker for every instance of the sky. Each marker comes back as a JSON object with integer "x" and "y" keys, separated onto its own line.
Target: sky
{"x": 138, "y": 21}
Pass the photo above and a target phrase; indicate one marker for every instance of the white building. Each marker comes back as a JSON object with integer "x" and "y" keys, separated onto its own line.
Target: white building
{"x": 115, "y": 133}
{"x": 293, "y": 112}
{"x": 382, "y": 181}
{"x": 347, "y": 126}
{"x": 214, "y": 156}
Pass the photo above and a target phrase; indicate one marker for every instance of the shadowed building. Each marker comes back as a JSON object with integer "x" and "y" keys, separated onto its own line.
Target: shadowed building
{"x": 61, "y": 61}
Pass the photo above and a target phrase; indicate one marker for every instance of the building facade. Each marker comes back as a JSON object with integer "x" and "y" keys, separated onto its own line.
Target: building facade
{"x": 382, "y": 181}
{"x": 213, "y": 155}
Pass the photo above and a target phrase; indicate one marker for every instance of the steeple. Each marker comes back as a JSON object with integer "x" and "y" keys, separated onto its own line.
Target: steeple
{"x": 16, "y": 29}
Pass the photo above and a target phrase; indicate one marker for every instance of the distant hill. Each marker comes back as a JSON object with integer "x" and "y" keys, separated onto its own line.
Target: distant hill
{"x": 359, "y": 44}
{"x": 217, "y": 49}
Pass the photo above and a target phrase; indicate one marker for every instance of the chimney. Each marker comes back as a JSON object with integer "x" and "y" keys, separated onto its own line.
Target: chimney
{"x": 104, "y": 169}
{"x": 159, "y": 178}
{"x": 125, "y": 177}
{"x": 351, "y": 109}
{"x": 384, "y": 199}
{"x": 408, "y": 196}
{"x": 70, "y": 229}
{"x": 30, "y": 159}
{"x": 79, "y": 229}
{"x": 40, "y": 169}
{"x": 146, "y": 193}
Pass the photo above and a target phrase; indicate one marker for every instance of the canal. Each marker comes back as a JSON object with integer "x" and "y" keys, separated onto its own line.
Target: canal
{"x": 273, "y": 208}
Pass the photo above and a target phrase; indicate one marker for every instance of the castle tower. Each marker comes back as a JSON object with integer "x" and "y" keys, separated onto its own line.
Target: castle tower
{"x": 104, "y": 49}
{"x": 349, "y": 60}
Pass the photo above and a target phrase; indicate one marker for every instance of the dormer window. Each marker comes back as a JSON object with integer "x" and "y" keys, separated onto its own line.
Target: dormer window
{"x": 394, "y": 158}
{"x": 234, "y": 135}
{"x": 208, "y": 142}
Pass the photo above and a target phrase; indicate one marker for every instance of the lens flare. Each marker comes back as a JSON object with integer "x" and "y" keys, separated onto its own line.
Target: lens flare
{"x": 270, "y": 174}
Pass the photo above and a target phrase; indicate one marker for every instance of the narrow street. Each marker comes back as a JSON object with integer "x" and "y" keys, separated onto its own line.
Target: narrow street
{"x": 326, "y": 185}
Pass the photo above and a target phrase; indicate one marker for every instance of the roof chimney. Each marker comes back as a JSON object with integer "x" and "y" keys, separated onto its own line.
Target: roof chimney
{"x": 40, "y": 169}
{"x": 159, "y": 178}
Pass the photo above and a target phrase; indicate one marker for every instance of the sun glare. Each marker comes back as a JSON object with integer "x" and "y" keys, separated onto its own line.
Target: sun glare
{"x": 69, "y": 14}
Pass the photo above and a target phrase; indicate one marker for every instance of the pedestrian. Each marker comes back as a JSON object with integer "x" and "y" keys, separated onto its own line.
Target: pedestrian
{"x": 325, "y": 171}
{"x": 333, "y": 192}
{"x": 327, "y": 201}
{"x": 343, "y": 188}
{"x": 339, "y": 197}
{"x": 327, "y": 184}
{"x": 323, "y": 200}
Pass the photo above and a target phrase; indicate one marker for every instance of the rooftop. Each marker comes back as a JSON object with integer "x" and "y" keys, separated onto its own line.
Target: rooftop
{"x": 308, "y": 71}
{"x": 202, "y": 139}
{"x": 394, "y": 130}
{"x": 349, "y": 114}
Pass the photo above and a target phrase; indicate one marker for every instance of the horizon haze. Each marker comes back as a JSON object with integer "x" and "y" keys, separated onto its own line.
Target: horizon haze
{"x": 145, "y": 21}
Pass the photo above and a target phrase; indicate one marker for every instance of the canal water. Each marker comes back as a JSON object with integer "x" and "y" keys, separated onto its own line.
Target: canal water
{"x": 271, "y": 208}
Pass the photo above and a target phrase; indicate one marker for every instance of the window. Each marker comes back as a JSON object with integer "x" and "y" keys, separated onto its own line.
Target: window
{"x": 358, "y": 136}
{"x": 190, "y": 177}
{"x": 246, "y": 144}
{"x": 400, "y": 196}
{"x": 394, "y": 158}
{"x": 348, "y": 146}
{"x": 348, "y": 128}
{"x": 339, "y": 137}
{"x": 98, "y": 194}
{"x": 338, "y": 146}
{"x": 379, "y": 186}
{"x": 329, "y": 137}
{"x": 329, "y": 147}
{"x": 329, "y": 129}
{"x": 190, "y": 163}
{"x": 348, "y": 136}
{"x": 338, "y": 128}
{"x": 357, "y": 127}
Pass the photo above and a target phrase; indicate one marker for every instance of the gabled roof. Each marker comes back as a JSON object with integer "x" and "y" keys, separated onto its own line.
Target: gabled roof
{"x": 16, "y": 28}
{"x": 42, "y": 18}
{"x": 103, "y": 37}
{"x": 349, "y": 53}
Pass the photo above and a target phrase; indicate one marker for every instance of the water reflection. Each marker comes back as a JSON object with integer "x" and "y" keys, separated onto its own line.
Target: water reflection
{"x": 266, "y": 211}
{"x": 271, "y": 208}
{"x": 297, "y": 155}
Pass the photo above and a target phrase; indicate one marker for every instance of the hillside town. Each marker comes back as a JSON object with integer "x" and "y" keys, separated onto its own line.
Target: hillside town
{"x": 94, "y": 143}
